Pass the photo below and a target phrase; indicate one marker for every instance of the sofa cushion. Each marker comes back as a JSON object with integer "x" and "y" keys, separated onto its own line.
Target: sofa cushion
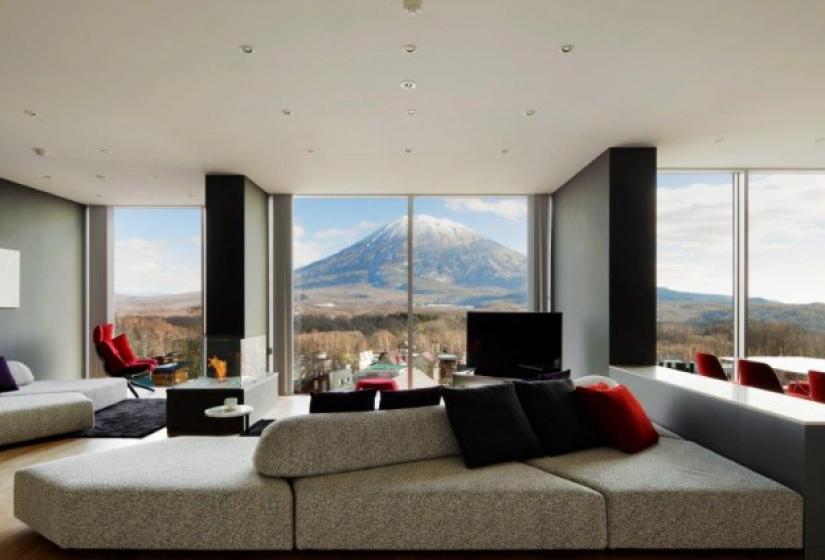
{"x": 557, "y": 415}
{"x": 343, "y": 401}
{"x": 7, "y": 382}
{"x": 678, "y": 494}
{"x": 442, "y": 505}
{"x": 21, "y": 373}
{"x": 490, "y": 425}
{"x": 329, "y": 443}
{"x": 31, "y": 417}
{"x": 124, "y": 348}
{"x": 620, "y": 417}
{"x": 103, "y": 392}
{"x": 410, "y": 398}
{"x": 182, "y": 493}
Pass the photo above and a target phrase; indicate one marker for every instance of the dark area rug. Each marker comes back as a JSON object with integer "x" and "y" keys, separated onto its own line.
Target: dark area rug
{"x": 255, "y": 429}
{"x": 130, "y": 418}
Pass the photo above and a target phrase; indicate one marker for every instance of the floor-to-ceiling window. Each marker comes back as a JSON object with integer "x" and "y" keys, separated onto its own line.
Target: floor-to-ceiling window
{"x": 469, "y": 253}
{"x": 158, "y": 281}
{"x": 695, "y": 282}
{"x": 786, "y": 276}
{"x": 351, "y": 292}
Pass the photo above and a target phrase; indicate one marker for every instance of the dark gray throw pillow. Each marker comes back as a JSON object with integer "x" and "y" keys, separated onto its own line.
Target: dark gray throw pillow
{"x": 490, "y": 425}
{"x": 349, "y": 401}
{"x": 411, "y": 398}
{"x": 559, "y": 419}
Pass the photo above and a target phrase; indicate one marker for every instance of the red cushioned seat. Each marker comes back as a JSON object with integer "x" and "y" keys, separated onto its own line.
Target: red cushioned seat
{"x": 707, "y": 365}
{"x": 816, "y": 382}
{"x": 379, "y": 383}
{"x": 759, "y": 375}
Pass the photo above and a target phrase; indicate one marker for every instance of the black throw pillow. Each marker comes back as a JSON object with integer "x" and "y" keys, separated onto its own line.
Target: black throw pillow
{"x": 559, "y": 419}
{"x": 411, "y": 398}
{"x": 490, "y": 425}
{"x": 349, "y": 401}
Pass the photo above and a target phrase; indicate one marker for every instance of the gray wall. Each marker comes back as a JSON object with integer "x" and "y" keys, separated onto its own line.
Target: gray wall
{"x": 580, "y": 268}
{"x": 47, "y": 330}
{"x": 256, "y": 261}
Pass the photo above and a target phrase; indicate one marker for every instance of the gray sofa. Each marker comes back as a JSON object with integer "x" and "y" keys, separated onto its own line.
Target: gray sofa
{"x": 47, "y": 408}
{"x": 394, "y": 480}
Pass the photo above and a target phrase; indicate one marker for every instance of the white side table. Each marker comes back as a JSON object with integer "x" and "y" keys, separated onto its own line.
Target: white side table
{"x": 242, "y": 410}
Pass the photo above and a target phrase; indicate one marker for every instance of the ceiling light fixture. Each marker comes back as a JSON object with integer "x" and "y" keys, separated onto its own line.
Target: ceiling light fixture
{"x": 247, "y": 49}
{"x": 408, "y": 84}
{"x": 106, "y": 151}
{"x": 98, "y": 195}
{"x": 566, "y": 48}
{"x": 412, "y": 7}
{"x": 286, "y": 112}
{"x": 530, "y": 112}
{"x": 47, "y": 176}
{"x": 410, "y": 111}
{"x": 100, "y": 176}
{"x": 719, "y": 140}
{"x": 30, "y": 113}
{"x": 820, "y": 140}
{"x": 505, "y": 151}
{"x": 40, "y": 151}
{"x": 410, "y": 48}
{"x": 310, "y": 150}
{"x": 407, "y": 150}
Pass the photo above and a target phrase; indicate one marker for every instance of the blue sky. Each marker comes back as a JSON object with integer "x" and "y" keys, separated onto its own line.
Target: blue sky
{"x": 325, "y": 225}
{"x": 157, "y": 250}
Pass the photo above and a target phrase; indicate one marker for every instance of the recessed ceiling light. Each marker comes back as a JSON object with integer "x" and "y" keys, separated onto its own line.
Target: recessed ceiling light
{"x": 153, "y": 175}
{"x": 408, "y": 84}
{"x": 98, "y": 195}
{"x": 100, "y": 176}
{"x": 719, "y": 140}
{"x": 47, "y": 176}
{"x": 505, "y": 151}
{"x": 247, "y": 49}
{"x": 410, "y": 111}
{"x": 410, "y": 48}
{"x": 40, "y": 151}
{"x": 407, "y": 150}
{"x": 820, "y": 140}
{"x": 530, "y": 112}
{"x": 106, "y": 151}
{"x": 412, "y": 7}
{"x": 310, "y": 150}
{"x": 30, "y": 113}
{"x": 566, "y": 48}
{"x": 286, "y": 112}
{"x": 191, "y": 195}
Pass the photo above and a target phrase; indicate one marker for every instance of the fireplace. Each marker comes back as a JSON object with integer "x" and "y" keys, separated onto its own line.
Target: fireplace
{"x": 228, "y": 356}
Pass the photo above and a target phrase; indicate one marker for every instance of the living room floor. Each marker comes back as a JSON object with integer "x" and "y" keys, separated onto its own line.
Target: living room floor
{"x": 17, "y": 541}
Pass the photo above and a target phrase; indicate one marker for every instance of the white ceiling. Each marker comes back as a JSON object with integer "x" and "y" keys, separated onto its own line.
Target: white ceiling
{"x": 164, "y": 86}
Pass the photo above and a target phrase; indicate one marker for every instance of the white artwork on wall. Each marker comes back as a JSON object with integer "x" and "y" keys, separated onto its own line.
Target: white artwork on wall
{"x": 9, "y": 278}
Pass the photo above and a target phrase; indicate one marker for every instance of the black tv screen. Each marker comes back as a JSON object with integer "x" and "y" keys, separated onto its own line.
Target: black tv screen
{"x": 504, "y": 344}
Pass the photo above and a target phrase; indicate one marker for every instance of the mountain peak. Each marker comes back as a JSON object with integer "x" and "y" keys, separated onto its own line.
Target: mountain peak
{"x": 424, "y": 224}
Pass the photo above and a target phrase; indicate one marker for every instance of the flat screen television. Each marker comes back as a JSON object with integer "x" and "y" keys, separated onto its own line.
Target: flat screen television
{"x": 521, "y": 345}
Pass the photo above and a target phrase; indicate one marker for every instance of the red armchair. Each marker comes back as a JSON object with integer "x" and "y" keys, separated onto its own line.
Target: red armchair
{"x": 707, "y": 365}
{"x": 119, "y": 359}
{"x": 816, "y": 383}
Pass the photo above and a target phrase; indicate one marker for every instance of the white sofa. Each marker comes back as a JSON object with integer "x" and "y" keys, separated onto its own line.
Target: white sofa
{"x": 31, "y": 417}
{"x": 102, "y": 392}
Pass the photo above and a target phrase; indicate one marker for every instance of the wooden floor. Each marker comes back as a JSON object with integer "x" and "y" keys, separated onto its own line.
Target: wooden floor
{"x": 18, "y": 542}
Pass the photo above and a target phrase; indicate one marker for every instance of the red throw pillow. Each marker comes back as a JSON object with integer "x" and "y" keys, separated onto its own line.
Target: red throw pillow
{"x": 620, "y": 417}
{"x": 123, "y": 347}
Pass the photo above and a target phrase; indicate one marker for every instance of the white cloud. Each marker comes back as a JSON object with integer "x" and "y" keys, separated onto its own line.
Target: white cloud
{"x": 787, "y": 237}
{"x": 144, "y": 267}
{"x": 310, "y": 248}
{"x": 508, "y": 208}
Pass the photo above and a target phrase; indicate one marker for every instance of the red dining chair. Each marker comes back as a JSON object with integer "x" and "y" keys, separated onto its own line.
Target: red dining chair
{"x": 759, "y": 375}
{"x": 707, "y": 365}
{"x": 119, "y": 359}
{"x": 816, "y": 384}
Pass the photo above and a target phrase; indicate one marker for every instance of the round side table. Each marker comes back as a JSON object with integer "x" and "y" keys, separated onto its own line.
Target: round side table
{"x": 242, "y": 410}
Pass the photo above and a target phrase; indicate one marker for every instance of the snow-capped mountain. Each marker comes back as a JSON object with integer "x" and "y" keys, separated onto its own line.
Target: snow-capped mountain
{"x": 447, "y": 256}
